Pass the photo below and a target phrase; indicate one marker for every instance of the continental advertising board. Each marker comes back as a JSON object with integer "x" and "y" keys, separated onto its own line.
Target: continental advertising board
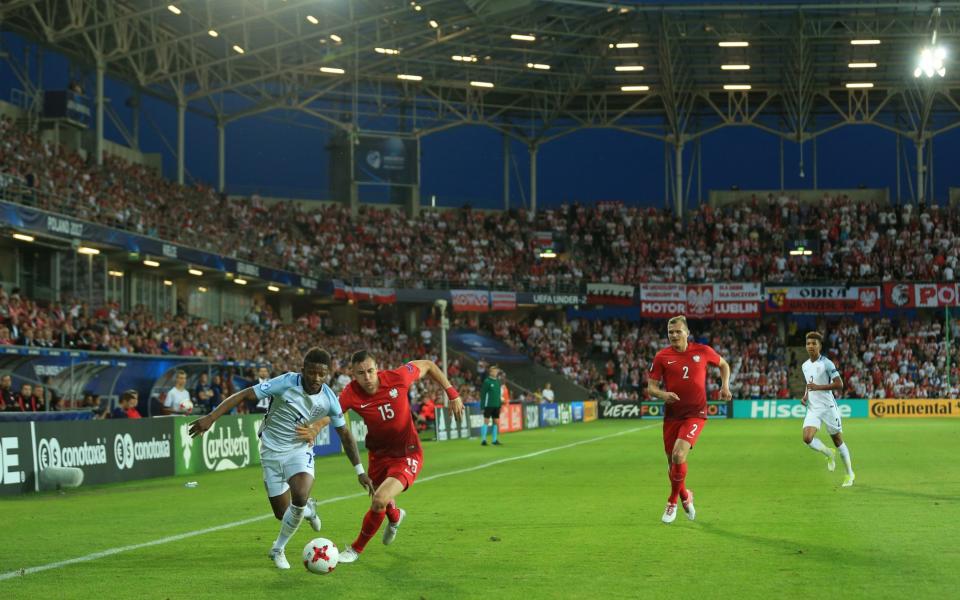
{"x": 914, "y": 408}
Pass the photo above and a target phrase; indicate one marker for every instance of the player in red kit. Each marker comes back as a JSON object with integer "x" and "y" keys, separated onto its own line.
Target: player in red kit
{"x": 683, "y": 369}
{"x": 395, "y": 456}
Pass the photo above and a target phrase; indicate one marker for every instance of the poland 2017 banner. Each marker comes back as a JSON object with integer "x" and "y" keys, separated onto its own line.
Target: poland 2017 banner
{"x": 822, "y": 299}
{"x": 921, "y": 295}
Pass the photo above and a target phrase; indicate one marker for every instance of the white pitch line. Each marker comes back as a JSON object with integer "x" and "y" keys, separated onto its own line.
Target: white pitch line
{"x": 190, "y": 534}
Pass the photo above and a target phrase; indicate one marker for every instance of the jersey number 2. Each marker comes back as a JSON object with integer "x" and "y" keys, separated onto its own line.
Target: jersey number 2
{"x": 386, "y": 412}
{"x": 686, "y": 372}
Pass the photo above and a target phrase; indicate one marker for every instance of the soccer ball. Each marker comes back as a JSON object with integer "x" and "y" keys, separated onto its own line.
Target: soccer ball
{"x": 320, "y": 556}
{"x": 186, "y": 407}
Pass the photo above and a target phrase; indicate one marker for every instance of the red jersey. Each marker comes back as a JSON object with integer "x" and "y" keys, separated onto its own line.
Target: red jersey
{"x": 390, "y": 428}
{"x": 685, "y": 374}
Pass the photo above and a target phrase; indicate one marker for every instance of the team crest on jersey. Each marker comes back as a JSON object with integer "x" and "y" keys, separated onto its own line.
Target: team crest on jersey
{"x": 696, "y": 358}
{"x": 394, "y": 393}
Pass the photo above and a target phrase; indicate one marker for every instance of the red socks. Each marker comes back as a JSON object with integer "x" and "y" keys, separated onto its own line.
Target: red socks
{"x": 393, "y": 513}
{"x": 371, "y": 523}
{"x": 677, "y": 475}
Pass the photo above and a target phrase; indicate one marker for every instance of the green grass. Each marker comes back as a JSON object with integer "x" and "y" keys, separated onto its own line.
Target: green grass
{"x": 580, "y": 522}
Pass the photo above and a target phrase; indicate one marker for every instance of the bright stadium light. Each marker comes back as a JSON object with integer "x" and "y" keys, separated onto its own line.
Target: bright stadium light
{"x": 433, "y": 23}
{"x": 864, "y": 42}
{"x": 859, "y": 86}
{"x": 195, "y": 272}
{"x": 332, "y": 70}
{"x": 202, "y": 290}
{"x": 735, "y": 67}
{"x": 628, "y": 68}
{"x": 548, "y": 253}
{"x": 167, "y": 282}
{"x": 115, "y": 273}
{"x": 151, "y": 263}
{"x": 407, "y": 77}
{"x": 173, "y": 8}
{"x": 388, "y": 51}
{"x": 626, "y": 45}
{"x": 931, "y": 62}
{"x": 523, "y": 37}
{"x": 313, "y": 19}
{"x": 240, "y": 281}
{"x": 634, "y": 88}
{"x": 213, "y": 33}
{"x": 273, "y": 288}
{"x": 733, "y": 44}
{"x": 23, "y": 237}
{"x": 88, "y": 250}
{"x": 237, "y": 49}
{"x": 734, "y": 87}
{"x": 862, "y": 65}
{"x": 336, "y": 38}
{"x": 459, "y": 58}
{"x": 538, "y": 66}
{"x": 481, "y": 84}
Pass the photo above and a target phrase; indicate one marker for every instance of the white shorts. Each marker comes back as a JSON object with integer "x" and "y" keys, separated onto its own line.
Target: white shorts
{"x": 279, "y": 467}
{"x": 828, "y": 414}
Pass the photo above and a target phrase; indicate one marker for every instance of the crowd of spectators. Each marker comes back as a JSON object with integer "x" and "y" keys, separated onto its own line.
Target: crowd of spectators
{"x": 882, "y": 358}
{"x": 611, "y": 358}
{"x": 609, "y": 242}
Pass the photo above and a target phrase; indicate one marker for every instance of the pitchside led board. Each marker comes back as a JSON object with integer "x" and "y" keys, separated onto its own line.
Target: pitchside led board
{"x": 386, "y": 160}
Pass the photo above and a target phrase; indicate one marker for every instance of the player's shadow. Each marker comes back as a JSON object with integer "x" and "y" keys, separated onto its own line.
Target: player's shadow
{"x": 817, "y": 552}
{"x": 870, "y": 489}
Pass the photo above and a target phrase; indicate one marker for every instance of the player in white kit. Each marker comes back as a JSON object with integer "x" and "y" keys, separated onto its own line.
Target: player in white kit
{"x": 301, "y": 406}
{"x": 822, "y": 378}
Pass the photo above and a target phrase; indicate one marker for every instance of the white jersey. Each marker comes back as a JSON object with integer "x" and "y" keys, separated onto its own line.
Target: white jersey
{"x": 821, "y": 372}
{"x": 290, "y": 406}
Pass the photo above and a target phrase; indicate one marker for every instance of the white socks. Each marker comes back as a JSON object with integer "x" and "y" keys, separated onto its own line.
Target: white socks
{"x": 816, "y": 444}
{"x": 845, "y": 455}
{"x": 289, "y": 524}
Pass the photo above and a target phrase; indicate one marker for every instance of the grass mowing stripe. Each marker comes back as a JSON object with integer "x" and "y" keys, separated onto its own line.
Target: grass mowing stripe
{"x": 190, "y": 534}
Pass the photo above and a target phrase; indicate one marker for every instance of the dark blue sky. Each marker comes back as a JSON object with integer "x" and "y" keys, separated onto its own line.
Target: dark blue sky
{"x": 464, "y": 164}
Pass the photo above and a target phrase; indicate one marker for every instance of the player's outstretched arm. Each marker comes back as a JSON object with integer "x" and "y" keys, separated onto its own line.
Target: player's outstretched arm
{"x": 353, "y": 455}
{"x": 725, "y": 393}
{"x": 204, "y": 423}
{"x": 428, "y": 367}
{"x": 308, "y": 432}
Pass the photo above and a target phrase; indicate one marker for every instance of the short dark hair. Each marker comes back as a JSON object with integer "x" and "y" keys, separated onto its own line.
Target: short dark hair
{"x": 815, "y": 335}
{"x": 361, "y": 355}
{"x": 128, "y": 395}
{"x": 317, "y": 356}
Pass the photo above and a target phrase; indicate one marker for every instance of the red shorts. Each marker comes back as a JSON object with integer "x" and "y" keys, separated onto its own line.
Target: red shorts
{"x": 681, "y": 429}
{"x": 404, "y": 468}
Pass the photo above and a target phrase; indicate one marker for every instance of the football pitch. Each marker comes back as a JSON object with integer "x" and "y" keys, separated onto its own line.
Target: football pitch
{"x": 564, "y": 512}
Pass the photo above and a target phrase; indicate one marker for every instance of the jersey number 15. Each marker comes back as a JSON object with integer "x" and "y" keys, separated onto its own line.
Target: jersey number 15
{"x": 386, "y": 412}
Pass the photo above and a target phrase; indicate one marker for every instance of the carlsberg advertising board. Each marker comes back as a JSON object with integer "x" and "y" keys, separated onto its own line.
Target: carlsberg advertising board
{"x": 231, "y": 443}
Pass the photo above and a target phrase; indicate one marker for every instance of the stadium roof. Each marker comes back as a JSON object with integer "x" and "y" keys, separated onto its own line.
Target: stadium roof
{"x": 283, "y": 55}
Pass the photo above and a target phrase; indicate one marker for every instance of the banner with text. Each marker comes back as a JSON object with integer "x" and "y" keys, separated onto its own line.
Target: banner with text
{"x": 230, "y": 443}
{"x": 914, "y": 408}
{"x": 576, "y": 409}
{"x": 663, "y": 299}
{"x": 549, "y": 414}
{"x": 792, "y": 409}
{"x": 822, "y": 299}
{"x": 106, "y": 451}
{"x": 17, "y": 474}
{"x": 921, "y": 295}
{"x": 511, "y": 418}
{"x": 531, "y": 416}
{"x": 610, "y": 293}
{"x": 470, "y": 300}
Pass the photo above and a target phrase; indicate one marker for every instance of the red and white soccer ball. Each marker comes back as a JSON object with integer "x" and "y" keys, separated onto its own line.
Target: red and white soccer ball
{"x": 186, "y": 407}
{"x": 320, "y": 556}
